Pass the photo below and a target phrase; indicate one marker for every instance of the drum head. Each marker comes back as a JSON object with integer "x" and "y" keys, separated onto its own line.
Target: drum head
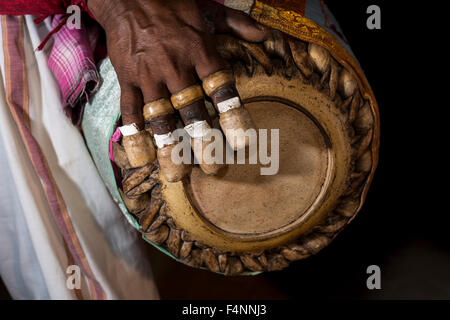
{"x": 241, "y": 202}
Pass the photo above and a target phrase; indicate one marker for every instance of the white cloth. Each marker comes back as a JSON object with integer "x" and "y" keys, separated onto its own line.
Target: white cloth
{"x": 33, "y": 259}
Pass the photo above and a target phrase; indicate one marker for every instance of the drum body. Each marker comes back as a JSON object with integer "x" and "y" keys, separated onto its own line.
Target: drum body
{"x": 240, "y": 221}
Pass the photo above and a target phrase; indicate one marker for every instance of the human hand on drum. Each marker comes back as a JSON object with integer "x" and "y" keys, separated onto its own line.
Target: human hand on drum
{"x": 162, "y": 51}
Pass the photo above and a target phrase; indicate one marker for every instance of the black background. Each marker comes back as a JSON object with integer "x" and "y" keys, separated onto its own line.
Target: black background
{"x": 403, "y": 225}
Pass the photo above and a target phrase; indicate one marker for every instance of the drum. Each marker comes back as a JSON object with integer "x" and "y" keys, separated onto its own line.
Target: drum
{"x": 239, "y": 221}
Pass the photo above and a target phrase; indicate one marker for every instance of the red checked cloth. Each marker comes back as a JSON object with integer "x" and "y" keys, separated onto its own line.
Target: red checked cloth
{"x": 72, "y": 63}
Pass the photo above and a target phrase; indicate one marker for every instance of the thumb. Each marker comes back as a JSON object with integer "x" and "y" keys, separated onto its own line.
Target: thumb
{"x": 227, "y": 20}
{"x": 242, "y": 26}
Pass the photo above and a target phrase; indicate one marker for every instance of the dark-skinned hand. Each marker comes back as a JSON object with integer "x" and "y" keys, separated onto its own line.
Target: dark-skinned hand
{"x": 159, "y": 47}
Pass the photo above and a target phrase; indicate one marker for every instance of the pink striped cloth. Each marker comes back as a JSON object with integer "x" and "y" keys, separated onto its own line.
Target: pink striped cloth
{"x": 72, "y": 62}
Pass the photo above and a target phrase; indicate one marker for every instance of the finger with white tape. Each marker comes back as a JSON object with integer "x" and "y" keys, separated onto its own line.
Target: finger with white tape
{"x": 159, "y": 115}
{"x": 138, "y": 145}
{"x": 234, "y": 118}
{"x": 191, "y": 105}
